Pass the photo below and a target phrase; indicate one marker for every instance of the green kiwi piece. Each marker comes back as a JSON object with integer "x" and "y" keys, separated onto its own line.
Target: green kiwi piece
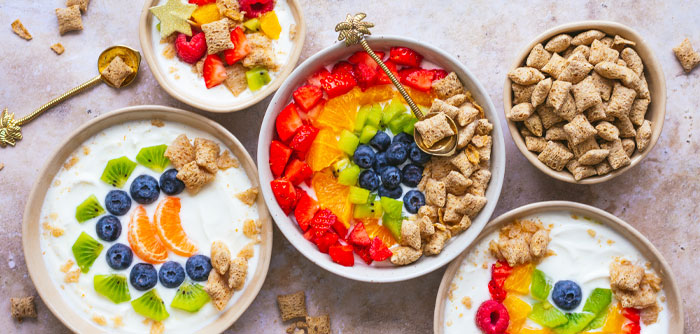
{"x": 598, "y": 301}
{"x": 151, "y": 306}
{"x": 597, "y": 322}
{"x": 577, "y": 322}
{"x": 88, "y": 209}
{"x": 545, "y": 314}
{"x": 190, "y": 297}
{"x": 540, "y": 285}
{"x": 86, "y": 249}
{"x": 117, "y": 171}
{"x": 113, "y": 287}
{"x": 153, "y": 157}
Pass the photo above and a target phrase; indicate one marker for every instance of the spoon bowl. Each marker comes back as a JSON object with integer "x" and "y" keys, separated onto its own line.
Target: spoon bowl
{"x": 130, "y": 56}
{"x": 443, "y": 148}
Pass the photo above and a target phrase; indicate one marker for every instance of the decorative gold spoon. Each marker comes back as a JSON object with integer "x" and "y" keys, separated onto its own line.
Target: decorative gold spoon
{"x": 353, "y": 31}
{"x": 10, "y": 131}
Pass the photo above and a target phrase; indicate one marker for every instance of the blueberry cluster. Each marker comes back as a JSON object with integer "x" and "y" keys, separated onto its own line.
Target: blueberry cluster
{"x": 388, "y": 163}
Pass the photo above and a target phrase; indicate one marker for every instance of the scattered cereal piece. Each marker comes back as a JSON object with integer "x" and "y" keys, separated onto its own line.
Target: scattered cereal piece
{"x": 117, "y": 71}
{"x": 292, "y": 305}
{"x": 237, "y": 273}
{"x": 249, "y": 196}
{"x": 180, "y": 151}
{"x": 220, "y": 256}
{"x": 465, "y": 135}
{"x": 69, "y": 19}
{"x": 612, "y": 70}
{"x": 558, "y": 43}
{"x": 319, "y": 325}
{"x": 248, "y": 251}
{"x": 638, "y": 111}
{"x": 688, "y": 58}
{"x": 158, "y": 123}
{"x": 467, "y": 302}
{"x": 157, "y": 327}
{"x": 525, "y": 75}
{"x": 548, "y": 116}
{"x": 460, "y": 227}
{"x": 230, "y": 9}
{"x": 217, "y": 36}
{"x": 448, "y": 86}
{"x": 58, "y": 48}
{"x": 555, "y": 155}
{"x": 22, "y": 307}
{"x": 436, "y": 242}
{"x": 72, "y": 276}
{"x": 100, "y": 320}
{"x": 225, "y": 161}
{"x": 82, "y": 4}
{"x": 19, "y": 29}
{"x": 194, "y": 177}
{"x": 434, "y": 129}
{"x": 539, "y": 243}
{"x": 261, "y": 52}
{"x": 66, "y": 266}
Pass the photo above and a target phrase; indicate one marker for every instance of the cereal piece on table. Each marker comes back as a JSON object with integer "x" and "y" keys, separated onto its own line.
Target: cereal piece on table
{"x": 525, "y": 75}
{"x": 558, "y": 43}
{"x": 586, "y": 94}
{"x": 579, "y": 129}
{"x": 236, "y": 81}
{"x": 58, "y": 48}
{"x": 462, "y": 163}
{"x": 456, "y": 183}
{"x": 687, "y": 56}
{"x": 465, "y": 135}
{"x": 319, "y": 325}
{"x": 539, "y": 243}
{"x": 587, "y": 37}
{"x": 625, "y": 276}
{"x": 628, "y": 145}
{"x": 602, "y": 53}
{"x": 237, "y": 273}
{"x": 457, "y": 100}
{"x": 410, "y": 234}
{"x": 483, "y": 126}
{"x": 292, "y": 306}
{"x": 249, "y": 196}
{"x": 117, "y": 71}
{"x": 405, "y": 255}
{"x": 471, "y": 204}
{"x": 558, "y": 94}
{"x": 19, "y": 29}
{"x": 441, "y": 106}
{"x": 23, "y": 307}
{"x": 625, "y": 126}
{"x": 643, "y": 136}
{"x": 193, "y": 177}
{"x": 220, "y": 256}
{"x": 230, "y": 9}
{"x": 555, "y": 133}
{"x": 607, "y": 131}
{"x": 621, "y": 101}
{"x": 206, "y": 152}
{"x": 540, "y": 92}
{"x": 547, "y": 115}
{"x": 82, "y": 4}
{"x": 515, "y": 251}
{"x": 597, "y": 113}
{"x": 69, "y": 19}
{"x": 579, "y": 171}
{"x": 593, "y": 157}
{"x": 448, "y": 86}
{"x": 633, "y": 60}
{"x": 538, "y": 57}
{"x": 434, "y": 129}
{"x": 226, "y": 161}
{"x": 603, "y": 85}
{"x": 575, "y": 71}
{"x": 217, "y": 36}
{"x": 436, "y": 242}
{"x": 520, "y": 112}
{"x": 522, "y": 93}
{"x": 612, "y": 70}
{"x": 617, "y": 157}
{"x": 535, "y": 144}
{"x": 585, "y": 146}
{"x": 534, "y": 124}
{"x": 180, "y": 151}
{"x": 435, "y": 193}
{"x": 603, "y": 168}
{"x": 619, "y": 42}
{"x": 554, "y": 66}
{"x": 555, "y": 155}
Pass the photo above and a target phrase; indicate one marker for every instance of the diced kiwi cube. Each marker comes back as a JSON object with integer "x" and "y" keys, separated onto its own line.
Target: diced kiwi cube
{"x": 257, "y": 78}
{"x": 252, "y": 24}
{"x": 374, "y": 118}
{"x": 361, "y": 117}
{"x": 367, "y": 134}
{"x": 339, "y": 165}
{"x": 392, "y": 109}
{"x": 348, "y": 142}
{"x": 358, "y": 195}
{"x": 392, "y": 207}
{"x": 397, "y": 124}
{"x": 393, "y": 224}
{"x": 410, "y": 125}
{"x": 349, "y": 175}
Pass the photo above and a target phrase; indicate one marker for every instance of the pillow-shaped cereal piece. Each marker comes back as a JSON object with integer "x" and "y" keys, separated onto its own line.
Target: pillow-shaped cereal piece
{"x": 603, "y": 85}
{"x": 465, "y": 135}
{"x": 460, "y": 227}
{"x": 236, "y": 81}
{"x": 218, "y": 36}
{"x": 522, "y": 93}
{"x": 405, "y": 255}
{"x": 237, "y": 273}
{"x": 621, "y": 101}
{"x": 435, "y": 193}
{"x": 462, "y": 163}
{"x": 607, "y": 41}
{"x": 180, "y": 151}
{"x": 579, "y": 171}
{"x": 535, "y": 144}
{"x": 643, "y": 136}
{"x": 587, "y": 37}
{"x": 558, "y": 94}
{"x": 617, "y": 157}
{"x": 540, "y": 92}
{"x": 597, "y": 113}
{"x": 556, "y": 133}
{"x": 434, "y": 129}
{"x": 226, "y": 161}
{"x": 568, "y": 109}
{"x": 538, "y": 57}
{"x": 23, "y": 307}
{"x": 579, "y": 129}
{"x": 638, "y": 111}
{"x": 261, "y": 52}
{"x": 117, "y": 71}
{"x": 292, "y": 305}
{"x": 643, "y": 88}
{"x": 525, "y": 75}
{"x": 218, "y": 290}
{"x": 607, "y": 131}
{"x": 585, "y": 94}
{"x": 410, "y": 234}
{"x": 230, "y": 9}
{"x": 457, "y": 100}
{"x": 456, "y": 183}
{"x": 603, "y": 168}
{"x": 558, "y": 43}
{"x": 483, "y": 126}
{"x": 633, "y": 60}
{"x": 628, "y": 144}
{"x": 625, "y": 126}
{"x": 687, "y": 56}
{"x": 548, "y": 116}
{"x": 448, "y": 86}
{"x": 483, "y": 143}
{"x": 426, "y": 226}
{"x": 206, "y": 153}
{"x": 612, "y": 70}
{"x": 439, "y": 167}
{"x": 441, "y": 106}
{"x": 620, "y": 43}
{"x": 593, "y": 157}
{"x": 554, "y": 66}
{"x": 601, "y": 52}
{"x": 575, "y": 70}
{"x": 82, "y": 4}
{"x": 220, "y": 256}
{"x": 319, "y": 325}
{"x": 584, "y": 147}
{"x": 466, "y": 114}
{"x": 69, "y": 19}
{"x": 556, "y": 155}
{"x": 480, "y": 180}
{"x": 581, "y": 51}
{"x": 534, "y": 124}
{"x": 194, "y": 177}
{"x": 520, "y": 112}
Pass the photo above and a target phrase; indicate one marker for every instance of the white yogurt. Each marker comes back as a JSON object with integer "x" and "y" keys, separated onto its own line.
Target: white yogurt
{"x": 579, "y": 257}
{"x": 212, "y": 214}
{"x": 191, "y": 84}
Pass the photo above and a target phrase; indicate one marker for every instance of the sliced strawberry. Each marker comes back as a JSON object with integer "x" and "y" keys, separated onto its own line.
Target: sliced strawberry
{"x": 631, "y": 328}
{"x": 242, "y": 47}
{"x": 323, "y": 220}
{"x": 315, "y": 111}
{"x": 500, "y": 271}
{"x": 214, "y": 72}
{"x": 325, "y": 241}
{"x": 342, "y": 255}
{"x": 255, "y": 8}
{"x": 340, "y": 228}
{"x": 362, "y": 57}
{"x": 417, "y": 78}
{"x": 297, "y": 171}
{"x": 438, "y": 73}
{"x": 343, "y": 67}
{"x": 359, "y": 236}
{"x": 202, "y": 2}
{"x": 315, "y": 79}
{"x": 288, "y": 122}
{"x": 279, "y": 155}
{"x": 382, "y": 78}
{"x": 305, "y": 210}
{"x": 285, "y": 194}
{"x": 631, "y": 313}
{"x": 379, "y": 251}
{"x": 307, "y": 96}
{"x": 338, "y": 84}
{"x": 366, "y": 75}
{"x": 497, "y": 292}
{"x": 310, "y": 234}
{"x": 405, "y": 56}
{"x": 364, "y": 254}
{"x": 193, "y": 50}
{"x": 302, "y": 140}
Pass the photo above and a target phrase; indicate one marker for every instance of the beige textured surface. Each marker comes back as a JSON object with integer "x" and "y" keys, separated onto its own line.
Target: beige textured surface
{"x": 658, "y": 197}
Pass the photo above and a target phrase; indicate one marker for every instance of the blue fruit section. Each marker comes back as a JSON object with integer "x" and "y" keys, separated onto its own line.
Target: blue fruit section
{"x": 566, "y": 294}
{"x": 143, "y": 276}
{"x": 198, "y": 267}
{"x": 144, "y": 189}
{"x": 119, "y": 256}
{"x": 117, "y": 202}
{"x": 108, "y": 228}
{"x": 171, "y": 274}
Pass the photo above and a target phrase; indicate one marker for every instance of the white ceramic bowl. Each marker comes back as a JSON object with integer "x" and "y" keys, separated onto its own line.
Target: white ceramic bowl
{"x": 383, "y": 272}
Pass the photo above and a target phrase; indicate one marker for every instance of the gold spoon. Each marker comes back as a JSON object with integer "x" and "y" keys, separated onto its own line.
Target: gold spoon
{"x": 353, "y": 31}
{"x": 10, "y": 131}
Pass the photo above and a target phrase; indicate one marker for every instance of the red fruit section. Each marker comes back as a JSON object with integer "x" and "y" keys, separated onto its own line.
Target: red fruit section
{"x": 305, "y": 210}
{"x": 499, "y": 273}
{"x": 302, "y": 140}
{"x": 379, "y": 251}
{"x": 242, "y": 48}
{"x": 359, "y": 236}
{"x": 285, "y": 194}
{"x": 279, "y": 155}
{"x": 405, "y": 56}
{"x": 366, "y": 75}
{"x": 255, "y": 8}
{"x": 382, "y": 78}
{"x": 342, "y": 255}
{"x": 288, "y": 122}
{"x": 364, "y": 253}
{"x": 438, "y": 74}
{"x": 492, "y": 317}
{"x": 315, "y": 79}
{"x": 193, "y": 50}
{"x": 338, "y": 83}
{"x": 362, "y": 57}
{"x": 297, "y": 172}
{"x": 306, "y": 97}
{"x": 214, "y": 72}
{"x": 417, "y": 78}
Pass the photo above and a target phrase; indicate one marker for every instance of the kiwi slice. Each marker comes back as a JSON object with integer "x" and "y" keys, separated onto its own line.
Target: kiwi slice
{"x": 86, "y": 249}
{"x": 190, "y": 297}
{"x": 113, "y": 287}
{"x": 153, "y": 157}
{"x": 577, "y": 322}
{"x": 540, "y": 285}
{"x": 151, "y": 306}
{"x": 88, "y": 209}
{"x": 117, "y": 171}
{"x": 545, "y": 314}
{"x": 597, "y": 322}
{"x": 598, "y": 301}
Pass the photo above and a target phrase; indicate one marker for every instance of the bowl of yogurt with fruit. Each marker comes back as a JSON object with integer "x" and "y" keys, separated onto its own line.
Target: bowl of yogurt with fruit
{"x": 559, "y": 267}
{"x": 148, "y": 219}
{"x": 221, "y": 56}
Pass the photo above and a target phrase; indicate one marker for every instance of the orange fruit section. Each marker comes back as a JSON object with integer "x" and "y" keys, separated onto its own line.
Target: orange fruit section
{"x": 376, "y": 94}
{"x": 375, "y": 230}
{"x": 169, "y": 228}
{"x": 324, "y": 151}
{"x": 420, "y": 98}
{"x": 614, "y": 320}
{"x": 534, "y": 331}
{"x": 332, "y": 195}
{"x": 339, "y": 112}
{"x": 143, "y": 238}
{"x": 519, "y": 279}
{"x": 518, "y": 310}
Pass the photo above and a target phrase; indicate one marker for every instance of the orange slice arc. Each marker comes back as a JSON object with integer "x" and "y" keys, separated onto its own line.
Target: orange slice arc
{"x": 169, "y": 228}
{"x": 332, "y": 195}
{"x": 143, "y": 238}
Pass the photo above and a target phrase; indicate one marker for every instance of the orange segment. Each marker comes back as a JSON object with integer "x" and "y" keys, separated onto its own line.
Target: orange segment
{"x": 339, "y": 112}
{"x": 518, "y": 310}
{"x": 420, "y": 98}
{"x": 519, "y": 279}
{"x": 332, "y": 195}
{"x": 143, "y": 238}
{"x": 375, "y": 230}
{"x": 376, "y": 94}
{"x": 614, "y": 320}
{"x": 324, "y": 151}
{"x": 170, "y": 232}
{"x": 527, "y": 330}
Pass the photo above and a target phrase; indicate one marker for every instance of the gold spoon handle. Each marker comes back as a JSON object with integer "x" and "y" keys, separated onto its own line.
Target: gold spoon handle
{"x": 63, "y": 97}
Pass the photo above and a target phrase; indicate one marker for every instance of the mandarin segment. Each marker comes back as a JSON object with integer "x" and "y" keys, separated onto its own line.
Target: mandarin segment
{"x": 614, "y": 320}
{"x": 376, "y": 94}
{"x": 324, "y": 151}
{"x": 333, "y": 195}
{"x": 169, "y": 228}
{"x": 375, "y": 230}
{"x": 518, "y": 310}
{"x": 339, "y": 112}
{"x": 519, "y": 280}
{"x": 420, "y": 98}
{"x": 143, "y": 238}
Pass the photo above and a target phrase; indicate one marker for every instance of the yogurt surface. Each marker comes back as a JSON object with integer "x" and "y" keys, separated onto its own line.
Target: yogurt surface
{"x": 212, "y": 214}
{"x": 584, "y": 251}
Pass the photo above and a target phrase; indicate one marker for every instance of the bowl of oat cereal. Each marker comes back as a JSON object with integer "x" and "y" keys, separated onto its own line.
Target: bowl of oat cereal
{"x": 585, "y": 101}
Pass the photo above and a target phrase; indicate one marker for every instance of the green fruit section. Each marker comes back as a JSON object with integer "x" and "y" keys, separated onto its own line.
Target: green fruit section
{"x": 153, "y": 157}
{"x": 85, "y": 250}
{"x": 190, "y": 297}
{"x": 540, "y": 285}
{"x": 113, "y": 287}
{"x": 257, "y": 78}
{"x": 88, "y": 209}
{"x": 117, "y": 171}
{"x": 576, "y": 323}
{"x": 151, "y": 306}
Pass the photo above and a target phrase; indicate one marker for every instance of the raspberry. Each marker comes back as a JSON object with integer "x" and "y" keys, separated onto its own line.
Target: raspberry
{"x": 254, "y": 8}
{"x": 492, "y": 317}
{"x": 192, "y": 51}
{"x": 497, "y": 292}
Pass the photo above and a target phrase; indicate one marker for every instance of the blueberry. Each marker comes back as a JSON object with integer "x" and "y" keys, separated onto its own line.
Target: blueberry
{"x": 170, "y": 184}
{"x": 198, "y": 267}
{"x": 396, "y": 153}
{"x": 143, "y": 276}
{"x": 393, "y": 193}
{"x": 145, "y": 189}
{"x": 413, "y": 200}
{"x": 364, "y": 156}
{"x": 391, "y": 177}
{"x": 566, "y": 295}
{"x": 416, "y": 155}
{"x": 108, "y": 228}
{"x": 369, "y": 180}
{"x": 380, "y": 162}
{"x": 119, "y": 256}
{"x": 171, "y": 274}
{"x": 411, "y": 175}
{"x": 380, "y": 141}
{"x": 117, "y": 202}
{"x": 403, "y": 138}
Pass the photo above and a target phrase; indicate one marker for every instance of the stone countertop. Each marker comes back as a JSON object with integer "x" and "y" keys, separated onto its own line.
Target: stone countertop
{"x": 658, "y": 197}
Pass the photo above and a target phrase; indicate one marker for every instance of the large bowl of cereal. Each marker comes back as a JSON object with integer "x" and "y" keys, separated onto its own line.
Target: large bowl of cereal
{"x": 585, "y": 101}
{"x": 344, "y": 178}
